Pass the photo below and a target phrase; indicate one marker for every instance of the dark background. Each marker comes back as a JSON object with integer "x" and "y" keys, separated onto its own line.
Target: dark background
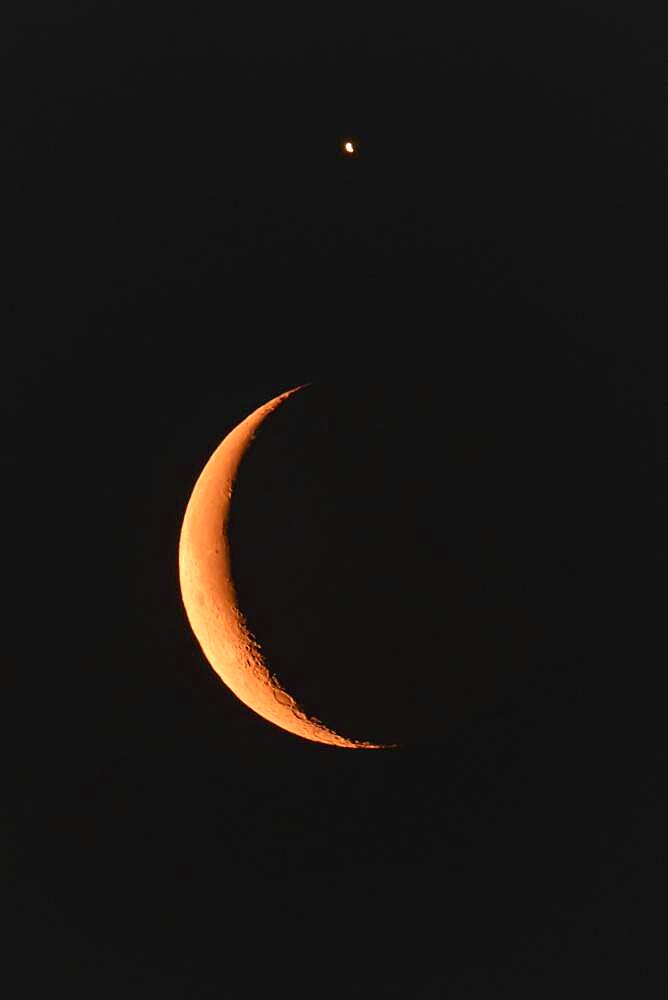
{"x": 454, "y": 539}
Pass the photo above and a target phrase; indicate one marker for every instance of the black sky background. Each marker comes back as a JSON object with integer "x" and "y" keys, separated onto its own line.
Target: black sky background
{"x": 454, "y": 539}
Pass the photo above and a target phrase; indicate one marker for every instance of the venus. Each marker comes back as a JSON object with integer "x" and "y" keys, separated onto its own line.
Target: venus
{"x": 209, "y": 597}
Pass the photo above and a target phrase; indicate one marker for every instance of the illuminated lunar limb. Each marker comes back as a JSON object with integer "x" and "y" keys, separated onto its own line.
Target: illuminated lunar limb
{"x": 210, "y": 600}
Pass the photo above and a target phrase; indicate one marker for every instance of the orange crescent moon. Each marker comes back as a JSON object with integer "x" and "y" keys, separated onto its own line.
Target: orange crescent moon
{"x": 209, "y": 596}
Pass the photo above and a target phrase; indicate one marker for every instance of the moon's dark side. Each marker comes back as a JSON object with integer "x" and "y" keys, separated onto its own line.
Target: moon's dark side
{"x": 408, "y": 570}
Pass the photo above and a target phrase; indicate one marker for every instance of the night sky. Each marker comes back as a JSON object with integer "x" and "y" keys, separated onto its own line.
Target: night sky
{"x": 454, "y": 539}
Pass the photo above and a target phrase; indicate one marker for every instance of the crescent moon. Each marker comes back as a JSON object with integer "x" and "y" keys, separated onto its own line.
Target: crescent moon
{"x": 209, "y": 597}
